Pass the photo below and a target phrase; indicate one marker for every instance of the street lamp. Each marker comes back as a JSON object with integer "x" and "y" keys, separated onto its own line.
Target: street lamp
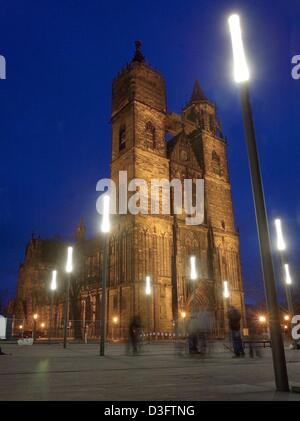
{"x": 286, "y": 318}
{"x": 241, "y": 76}
{"x": 226, "y": 293}
{"x": 194, "y": 274}
{"x": 287, "y": 280}
{"x": 35, "y": 316}
{"x": 105, "y": 229}
{"x": 281, "y": 246}
{"x": 148, "y": 291}
{"x": 69, "y": 270}
{"x": 115, "y": 320}
{"x": 193, "y": 277}
{"x": 21, "y": 329}
{"x": 53, "y": 286}
{"x": 262, "y": 319}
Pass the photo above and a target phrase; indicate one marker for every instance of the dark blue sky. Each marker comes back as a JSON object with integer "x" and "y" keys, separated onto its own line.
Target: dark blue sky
{"x": 55, "y": 107}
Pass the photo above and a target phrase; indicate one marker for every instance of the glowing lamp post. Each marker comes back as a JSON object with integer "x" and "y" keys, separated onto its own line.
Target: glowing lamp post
{"x": 226, "y": 293}
{"x": 148, "y": 291}
{"x": 226, "y": 296}
{"x": 287, "y": 280}
{"x": 35, "y": 317}
{"x": 21, "y": 327}
{"x": 53, "y": 287}
{"x": 194, "y": 274}
{"x": 262, "y": 319}
{"x": 281, "y": 246}
{"x": 105, "y": 229}
{"x": 115, "y": 320}
{"x": 241, "y": 76}
{"x": 69, "y": 270}
{"x": 193, "y": 278}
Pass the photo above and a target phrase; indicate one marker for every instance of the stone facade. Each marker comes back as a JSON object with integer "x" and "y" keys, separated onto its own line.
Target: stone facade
{"x": 159, "y": 246}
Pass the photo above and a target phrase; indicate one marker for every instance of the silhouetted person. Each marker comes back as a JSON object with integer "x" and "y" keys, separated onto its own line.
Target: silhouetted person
{"x": 204, "y": 326}
{"x": 193, "y": 332}
{"x": 234, "y": 319}
{"x": 134, "y": 333}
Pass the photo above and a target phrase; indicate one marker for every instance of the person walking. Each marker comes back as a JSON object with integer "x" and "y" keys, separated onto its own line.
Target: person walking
{"x": 134, "y": 333}
{"x": 234, "y": 319}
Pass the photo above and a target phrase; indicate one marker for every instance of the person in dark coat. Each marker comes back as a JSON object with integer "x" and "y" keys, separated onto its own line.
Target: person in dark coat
{"x": 134, "y": 333}
{"x": 234, "y": 320}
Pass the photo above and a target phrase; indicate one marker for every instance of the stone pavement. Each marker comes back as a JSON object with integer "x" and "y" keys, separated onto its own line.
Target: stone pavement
{"x": 48, "y": 372}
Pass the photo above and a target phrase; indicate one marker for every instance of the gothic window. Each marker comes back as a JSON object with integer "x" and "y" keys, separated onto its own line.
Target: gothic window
{"x": 212, "y": 126}
{"x": 122, "y": 137}
{"x": 216, "y": 162}
{"x": 150, "y": 135}
{"x": 123, "y": 303}
{"x": 223, "y": 224}
{"x": 115, "y": 302}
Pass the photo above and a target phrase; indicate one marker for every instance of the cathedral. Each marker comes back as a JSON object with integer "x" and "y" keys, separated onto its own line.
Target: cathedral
{"x": 148, "y": 141}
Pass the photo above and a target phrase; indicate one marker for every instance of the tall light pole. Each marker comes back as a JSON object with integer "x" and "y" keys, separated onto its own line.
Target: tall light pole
{"x": 193, "y": 278}
{"x": 285, "y": 271}
{"x": 226, "y": 296}
{"x": 105, "y": 229}
{"x": 35, "y": 317}
{"x": 69, "y": 270}
{"x": 241, "y": 75}
{"x": 148, "y": 290}
{"x": 53, "y": 287}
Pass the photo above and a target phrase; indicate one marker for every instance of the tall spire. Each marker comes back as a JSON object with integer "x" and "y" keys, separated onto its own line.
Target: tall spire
{"x": 138, "y": 56}
{"x": 80, "y": 230}
{"x": 197, "y": 94}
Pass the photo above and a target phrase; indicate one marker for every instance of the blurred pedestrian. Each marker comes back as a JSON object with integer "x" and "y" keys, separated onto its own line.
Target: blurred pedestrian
{"x": 234, "y": 319}
{"x": 204, "y": 326}
{"x": 134, "y": 333}
{"x": 193, "y": 334}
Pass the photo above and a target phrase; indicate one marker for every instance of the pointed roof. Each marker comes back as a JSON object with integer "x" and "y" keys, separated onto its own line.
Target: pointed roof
{"x": 138, "y": 55}
{"x": 197, "y": 94}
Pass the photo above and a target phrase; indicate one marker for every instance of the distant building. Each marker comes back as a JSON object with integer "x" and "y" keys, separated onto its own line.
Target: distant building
{"x": 142, "y": 245}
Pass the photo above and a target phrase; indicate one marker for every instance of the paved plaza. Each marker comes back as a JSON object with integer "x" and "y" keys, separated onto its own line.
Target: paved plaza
{"x": 48, "y": 372}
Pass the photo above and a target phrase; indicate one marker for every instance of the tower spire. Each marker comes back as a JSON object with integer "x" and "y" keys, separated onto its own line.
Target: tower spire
{"x": 80, "y": 230}
{"x": 138, "y": 56}
{"x": 197, "y": 94}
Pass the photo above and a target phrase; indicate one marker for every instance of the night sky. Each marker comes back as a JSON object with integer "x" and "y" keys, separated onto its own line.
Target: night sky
{"x": 55, "y": 108}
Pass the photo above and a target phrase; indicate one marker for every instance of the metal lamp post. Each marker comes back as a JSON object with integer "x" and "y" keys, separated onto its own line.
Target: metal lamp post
{"x": 241, "y": 75}
{"x": 35, "y": 316}
{"x": 148, "y": 291}
{"x": 226, "y": 296}
{"x": 193, "y": 278}
{"x": 286, "y": 277}
{"x": 69, "y": 270}
{"x": 53, "y": 286}
{"x": 105, "y": 229}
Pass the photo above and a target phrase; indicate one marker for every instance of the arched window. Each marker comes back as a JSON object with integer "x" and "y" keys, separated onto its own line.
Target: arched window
{"x": 215, "y": 156}
{"x": 216, "y": 163}
{"x": 212, "y": 124}
{"x": 150, "y": 135}
{"x": 122, "y": 137}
